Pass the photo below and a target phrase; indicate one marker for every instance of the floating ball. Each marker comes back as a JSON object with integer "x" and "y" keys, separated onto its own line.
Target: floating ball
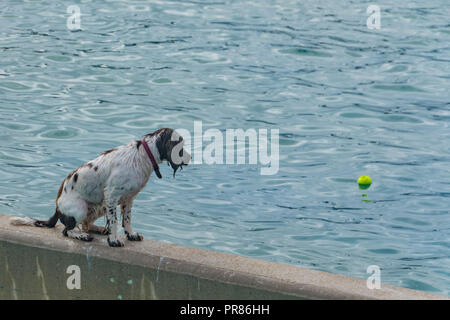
{"x": 364, "y": 182}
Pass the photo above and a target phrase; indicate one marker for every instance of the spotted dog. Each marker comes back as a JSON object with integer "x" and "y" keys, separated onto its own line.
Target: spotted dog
{"x": 114, "y": 178}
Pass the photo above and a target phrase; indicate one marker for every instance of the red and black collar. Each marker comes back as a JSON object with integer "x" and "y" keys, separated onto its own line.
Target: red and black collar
{"x": 152, "y": 158}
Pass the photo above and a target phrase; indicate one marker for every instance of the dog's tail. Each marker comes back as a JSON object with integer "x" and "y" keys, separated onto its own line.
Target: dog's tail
{"x": 50, "y": 223}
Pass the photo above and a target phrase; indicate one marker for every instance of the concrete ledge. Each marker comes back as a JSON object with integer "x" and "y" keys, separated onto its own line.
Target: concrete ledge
{"x": 33, "y": 264}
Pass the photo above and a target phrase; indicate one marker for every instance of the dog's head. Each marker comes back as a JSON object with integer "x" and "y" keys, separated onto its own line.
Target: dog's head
{"x": 171, "y": 149}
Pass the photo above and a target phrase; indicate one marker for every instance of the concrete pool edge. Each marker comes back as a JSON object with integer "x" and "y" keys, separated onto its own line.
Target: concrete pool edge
{"x": 221, "y": 268}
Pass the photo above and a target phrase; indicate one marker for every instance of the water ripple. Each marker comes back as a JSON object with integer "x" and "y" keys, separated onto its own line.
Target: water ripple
{"x": 347, "y": 101}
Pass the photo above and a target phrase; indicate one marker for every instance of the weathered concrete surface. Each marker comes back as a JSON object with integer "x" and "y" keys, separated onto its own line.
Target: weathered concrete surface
{"x": 33, "y": 264}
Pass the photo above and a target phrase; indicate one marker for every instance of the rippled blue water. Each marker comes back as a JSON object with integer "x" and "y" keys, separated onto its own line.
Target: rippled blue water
{"x": 348, "y": 101}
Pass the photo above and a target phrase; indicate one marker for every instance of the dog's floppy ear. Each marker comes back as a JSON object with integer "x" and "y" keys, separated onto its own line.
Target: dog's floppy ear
{"x": 165, "y": 145}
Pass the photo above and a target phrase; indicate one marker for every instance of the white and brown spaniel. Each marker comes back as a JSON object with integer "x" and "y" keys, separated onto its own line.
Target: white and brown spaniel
{"x": 114, "y": 178}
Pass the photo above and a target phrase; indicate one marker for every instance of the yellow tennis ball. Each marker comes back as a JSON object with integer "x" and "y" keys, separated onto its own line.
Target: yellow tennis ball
{"x": 364, "y": 182}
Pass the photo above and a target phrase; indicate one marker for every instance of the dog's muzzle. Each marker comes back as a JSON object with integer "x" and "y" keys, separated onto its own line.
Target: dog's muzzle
{"x": 185, "y": 159}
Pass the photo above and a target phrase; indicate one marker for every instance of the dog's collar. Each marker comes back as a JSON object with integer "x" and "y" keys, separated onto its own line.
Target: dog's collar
{"x": 152, "y": 158}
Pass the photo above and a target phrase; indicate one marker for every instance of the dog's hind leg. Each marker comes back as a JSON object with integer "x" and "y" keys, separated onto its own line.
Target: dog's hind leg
{"x": 94, "y": 212}
{"x": 70, "y": 223}
{"x": 96, "y": 229}
{"x": 73, "y": 211}
{"x": 83, "y": 236}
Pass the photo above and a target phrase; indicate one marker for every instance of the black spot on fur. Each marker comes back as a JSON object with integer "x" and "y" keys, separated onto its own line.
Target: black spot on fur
{"x": 96, "y": 168}
{"x": 138, "y": 143}
{"x": 75, "y": 177}
{"x": 108, "y": 151}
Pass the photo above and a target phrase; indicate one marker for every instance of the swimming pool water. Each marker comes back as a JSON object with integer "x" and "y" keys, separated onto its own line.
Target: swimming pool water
{"x": 348, "y": 101}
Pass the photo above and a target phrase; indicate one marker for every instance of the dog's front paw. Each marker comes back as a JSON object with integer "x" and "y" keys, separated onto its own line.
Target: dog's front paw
{"x": 134, "y": 236}
{"x": 115, "y": 242}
